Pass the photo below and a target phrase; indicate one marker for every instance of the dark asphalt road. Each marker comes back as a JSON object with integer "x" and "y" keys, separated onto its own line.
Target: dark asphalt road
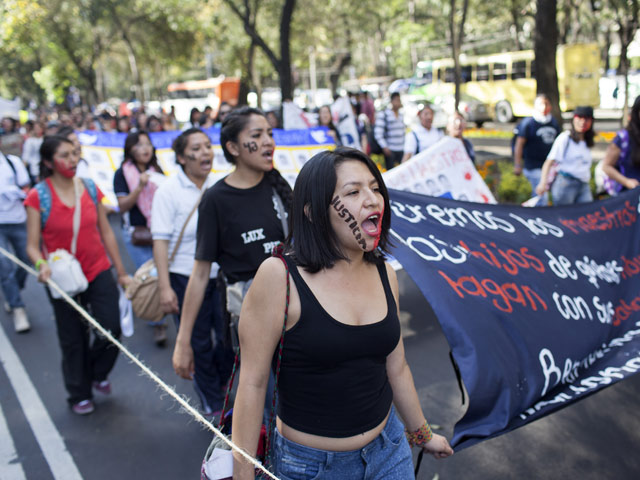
{"x": 139, "y": 433}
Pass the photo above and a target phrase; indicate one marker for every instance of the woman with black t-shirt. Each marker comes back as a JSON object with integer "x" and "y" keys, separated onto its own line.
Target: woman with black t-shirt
{"x": 134, "y": 190}
{"x": 238, "y": 219}
{"x": 344, "y": 381}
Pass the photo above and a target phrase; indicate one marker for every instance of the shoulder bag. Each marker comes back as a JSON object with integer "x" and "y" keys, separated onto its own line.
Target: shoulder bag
{"x": 66, "y": 271}
{"x": 218, "y": 459}
{"x": 143, "y": 291}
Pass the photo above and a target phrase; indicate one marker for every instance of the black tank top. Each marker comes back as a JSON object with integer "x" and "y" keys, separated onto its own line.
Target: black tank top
{"x": 333, "y": 378}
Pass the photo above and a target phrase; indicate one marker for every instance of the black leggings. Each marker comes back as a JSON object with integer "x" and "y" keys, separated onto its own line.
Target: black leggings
{"x": 82, "y": 362}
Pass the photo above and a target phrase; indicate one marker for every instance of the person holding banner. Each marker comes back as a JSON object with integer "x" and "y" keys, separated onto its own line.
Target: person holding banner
{"x": 571, "y": 155}
{"x": 85, "y": 364}
{"x": 344, "y": 380}
{"x": 622, "y": 160}
{"x": 134, "y": 189}
{"x": 423, "y": 135}
{"x": 455, "y": 129}
{"x": 325, "y": 120}
{"x": 239, "y": 220}
{"x": 173, "y": 228}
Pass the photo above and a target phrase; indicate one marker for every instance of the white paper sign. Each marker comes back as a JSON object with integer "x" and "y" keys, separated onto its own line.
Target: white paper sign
{"x": 443, "y": 170}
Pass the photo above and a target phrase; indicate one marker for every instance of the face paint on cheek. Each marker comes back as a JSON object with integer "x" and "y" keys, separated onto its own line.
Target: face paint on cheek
{"x": 350, "y": 221}
{"x": 251, "y": 146}
{"x": 64, "y": 169}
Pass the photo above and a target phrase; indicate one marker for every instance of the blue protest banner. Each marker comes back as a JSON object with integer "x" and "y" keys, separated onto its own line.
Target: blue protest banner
{"x": 540, "y": 306}
{"x": 103, "y": 152}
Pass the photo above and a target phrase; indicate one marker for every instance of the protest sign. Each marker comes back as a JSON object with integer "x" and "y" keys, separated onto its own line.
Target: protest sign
{"x": 345, "y": 122}
{"x": 295, "y": 118}
{"x": 103, "y": 153}
{"x": 541, "y": 307}
{"x": 444, "y": 169}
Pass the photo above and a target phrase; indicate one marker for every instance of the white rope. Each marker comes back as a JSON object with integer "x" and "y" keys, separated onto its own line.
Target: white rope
{"x": 107, "y": 334}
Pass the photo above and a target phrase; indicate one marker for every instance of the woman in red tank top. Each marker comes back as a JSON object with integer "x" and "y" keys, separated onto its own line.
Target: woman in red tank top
{"x": 85, "y": 365}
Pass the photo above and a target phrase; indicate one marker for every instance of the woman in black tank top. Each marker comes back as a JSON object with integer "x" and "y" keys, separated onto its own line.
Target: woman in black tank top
{"x": 343, "y": 372}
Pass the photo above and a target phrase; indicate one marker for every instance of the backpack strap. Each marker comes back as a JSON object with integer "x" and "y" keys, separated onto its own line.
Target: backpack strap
{"x": 417, "y": 142}
{"x": 44, "y": 196}
{"x": 92, "y": 189}
{"x": 12, "y": 166}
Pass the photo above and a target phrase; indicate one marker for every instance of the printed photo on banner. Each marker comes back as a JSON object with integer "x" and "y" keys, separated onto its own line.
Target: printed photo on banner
{"x": 443, "y": 170}
{"x": 537, "y": 313}
{"x": 103, "y": 153}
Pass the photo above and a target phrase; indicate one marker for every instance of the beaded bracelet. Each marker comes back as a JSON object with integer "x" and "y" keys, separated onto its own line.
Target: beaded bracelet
{"x": 420, "y": 436}
{"x": 40, "y": 262}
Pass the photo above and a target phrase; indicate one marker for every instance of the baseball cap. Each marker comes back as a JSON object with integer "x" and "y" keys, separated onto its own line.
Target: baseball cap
{"x": 586, "y": 112}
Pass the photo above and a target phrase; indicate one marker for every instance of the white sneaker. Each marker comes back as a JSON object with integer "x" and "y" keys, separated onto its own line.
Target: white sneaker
{"x": 20, "y": 321}
{"x": 7, "y": 307}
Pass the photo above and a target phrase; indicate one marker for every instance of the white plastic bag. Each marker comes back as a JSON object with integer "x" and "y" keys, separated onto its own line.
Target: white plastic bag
{"x": 219, "y": 465}
{"x": 126, "y": 313}
{"x": 67, "y": 273}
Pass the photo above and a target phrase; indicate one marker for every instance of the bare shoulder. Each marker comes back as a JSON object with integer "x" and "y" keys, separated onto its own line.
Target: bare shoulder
{"x": 271, "y": 274}
{"x": 271, "y": 267}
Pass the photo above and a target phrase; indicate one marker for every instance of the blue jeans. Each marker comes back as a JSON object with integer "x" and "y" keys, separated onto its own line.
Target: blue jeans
{"x": 212, "y": 361}
{"x": 13, "y": 236}
{"x": 387, "y": 457}
{"x": 569, "y": 190}
{"x": 533, "y": 176}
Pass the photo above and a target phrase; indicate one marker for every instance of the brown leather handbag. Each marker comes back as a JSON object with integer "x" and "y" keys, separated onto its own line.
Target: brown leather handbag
{"x": 141, "y": 236}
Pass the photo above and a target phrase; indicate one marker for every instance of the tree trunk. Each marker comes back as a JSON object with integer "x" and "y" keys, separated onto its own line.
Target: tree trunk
{"x": 545, "y": 46}
{"x": 343, "y": 59}
{"x": 457, "y": 37}
{"x": 283, "y": 64}
{"x": 625, "y": 39}
{"x": 515, "y": 17}
{"x": 133, "y": 64}
{"x": 605, "y": 53}
{"x": 286, "y": 79}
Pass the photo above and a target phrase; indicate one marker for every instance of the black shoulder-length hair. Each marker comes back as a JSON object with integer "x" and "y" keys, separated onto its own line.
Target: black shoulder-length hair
{"x": 131, "y": 141}
{"x": 312, "y": 241}
{"x": 589, "y": 135}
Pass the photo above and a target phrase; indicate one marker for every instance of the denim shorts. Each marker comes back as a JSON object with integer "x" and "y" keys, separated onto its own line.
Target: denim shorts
{"x": 387, "y": 457}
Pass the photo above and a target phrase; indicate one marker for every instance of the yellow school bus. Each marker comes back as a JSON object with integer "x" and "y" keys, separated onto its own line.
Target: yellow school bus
{"x": 506, "y": 81}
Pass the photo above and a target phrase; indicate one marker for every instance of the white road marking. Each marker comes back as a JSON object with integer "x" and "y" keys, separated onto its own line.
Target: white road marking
{"x": 10, "y": 468}
{"x": 53, "y": 448}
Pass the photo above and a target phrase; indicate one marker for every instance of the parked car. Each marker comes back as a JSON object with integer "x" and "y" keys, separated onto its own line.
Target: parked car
{"x": 472, "y": 109}
{"x": 412, "y": 104}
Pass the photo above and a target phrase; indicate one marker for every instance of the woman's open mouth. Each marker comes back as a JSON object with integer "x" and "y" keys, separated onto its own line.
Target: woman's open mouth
{"x": 372, "y": 225}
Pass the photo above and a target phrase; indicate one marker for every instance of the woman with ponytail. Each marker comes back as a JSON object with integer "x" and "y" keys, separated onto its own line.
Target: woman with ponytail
{"x": 239, "y": 220}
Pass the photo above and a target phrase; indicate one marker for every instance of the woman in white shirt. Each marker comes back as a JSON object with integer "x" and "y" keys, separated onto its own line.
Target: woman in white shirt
{"x": 570, "y": 152}
{"x": 174, "y": 204}
{"x": 31, "y": 150}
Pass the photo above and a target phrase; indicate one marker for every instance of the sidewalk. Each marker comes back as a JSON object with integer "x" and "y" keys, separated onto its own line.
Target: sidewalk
{"x": 485, "y": 150}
